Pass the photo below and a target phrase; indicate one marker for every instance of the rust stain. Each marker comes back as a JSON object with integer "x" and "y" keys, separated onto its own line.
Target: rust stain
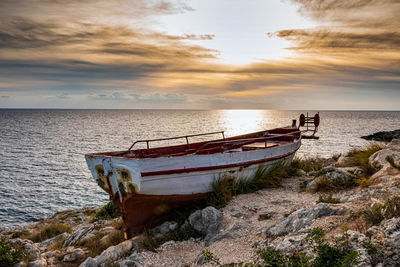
{"x": 101, "y": 179}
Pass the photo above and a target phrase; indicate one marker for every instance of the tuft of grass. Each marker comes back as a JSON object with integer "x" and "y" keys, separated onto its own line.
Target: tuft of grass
{"x": 322, "y": 184}
{"x": 50, "y": 231}
{"x": 378, "y": 212}
{"x": 328, "y": 199}
{"x": 225, "y": 188}
{"x": 308, "y": 164}
{"x": 152, "y": 242}
{"x": 97, "y": 244}
{"x": 392, "y": 163}
{"x": 363, "y": 182}
{"x": 10, "y": 254}
{"x": 360, "y": 158}
{"x": 108, "y": 211}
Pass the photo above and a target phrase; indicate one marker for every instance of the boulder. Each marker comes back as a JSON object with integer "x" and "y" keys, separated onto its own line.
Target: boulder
{"x": 207, "y": 221}
{"x": 166, "y": 227}
{"x": 78, "y": 235}
{"x": 290, "y": 244}
{"x": 300, "y": 219}
{"x": 378, "y": 159}
{"x": 77, "y": 254}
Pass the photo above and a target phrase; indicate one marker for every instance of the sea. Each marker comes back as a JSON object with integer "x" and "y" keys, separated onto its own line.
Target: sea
{"x": 42, "y": 164}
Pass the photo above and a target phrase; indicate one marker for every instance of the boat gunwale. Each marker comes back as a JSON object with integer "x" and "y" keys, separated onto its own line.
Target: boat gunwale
{"x": 199, "y": 144}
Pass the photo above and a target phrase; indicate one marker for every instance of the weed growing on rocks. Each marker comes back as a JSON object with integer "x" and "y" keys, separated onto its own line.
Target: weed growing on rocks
{"x": 378, "y": 212}
{"x": 99, "y": 242}
{"x": 50, "y": 231}
{"x": 225, "y": 188}
{"x": 10, "y": 254}
{"x": 328, "y": 199}
{"x": 360, "y": 158}
{"x": 108, "y": 211}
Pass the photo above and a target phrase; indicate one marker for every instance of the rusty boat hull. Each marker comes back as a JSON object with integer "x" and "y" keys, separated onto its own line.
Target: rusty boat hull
{"x": 149, "y": 183}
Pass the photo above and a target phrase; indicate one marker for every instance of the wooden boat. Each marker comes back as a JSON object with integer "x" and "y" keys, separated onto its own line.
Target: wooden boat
{"x": 147, "y": 183}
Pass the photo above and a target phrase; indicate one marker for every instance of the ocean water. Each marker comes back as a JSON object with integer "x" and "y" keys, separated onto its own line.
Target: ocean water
{"x": 42, "y": 165}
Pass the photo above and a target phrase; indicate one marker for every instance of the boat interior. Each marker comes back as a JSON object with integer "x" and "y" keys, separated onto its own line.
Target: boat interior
{"x": 247, "y": 142}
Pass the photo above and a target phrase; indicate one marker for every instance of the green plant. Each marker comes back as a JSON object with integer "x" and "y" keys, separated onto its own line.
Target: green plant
{"x": 50, "y": 231}
{"x": 108, "y": 211}
{"x": 272, "y": 257}
{"x": 10, "y": 254}
{"x": 340, "y": 254}
{"x": 328, "y": 199}
{"x": 392, "y": 163}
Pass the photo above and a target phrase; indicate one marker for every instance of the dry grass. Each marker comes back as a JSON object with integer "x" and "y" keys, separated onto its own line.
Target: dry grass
{"x": 364, "y": 182}
{"x": 50, "y": 231}
{"x": 328, "y": 199}
{"x": 98, "y": 243}
{"x": 308, "y": 164}
{"x": 360, "y": 158}
{"x": 378, "y": 212}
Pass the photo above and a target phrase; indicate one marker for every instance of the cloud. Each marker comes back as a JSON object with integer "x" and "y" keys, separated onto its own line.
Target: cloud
{"x": 5, "y": 96}
{"x": 107, "y": 52}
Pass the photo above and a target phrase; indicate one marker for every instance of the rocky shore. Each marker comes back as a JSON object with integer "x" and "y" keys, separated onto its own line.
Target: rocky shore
{"x": 346, "y": 204}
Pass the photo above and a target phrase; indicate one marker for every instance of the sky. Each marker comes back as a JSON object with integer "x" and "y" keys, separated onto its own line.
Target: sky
{"x": 200, "y": 54}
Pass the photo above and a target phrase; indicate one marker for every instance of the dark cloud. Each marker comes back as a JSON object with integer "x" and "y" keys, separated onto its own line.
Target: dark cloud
{"x": 305, "y": 39}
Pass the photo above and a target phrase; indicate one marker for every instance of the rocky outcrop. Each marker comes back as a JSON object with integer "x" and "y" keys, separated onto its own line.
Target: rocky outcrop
{"x": 301, "y": 219}
{"x": 383, "y": 136}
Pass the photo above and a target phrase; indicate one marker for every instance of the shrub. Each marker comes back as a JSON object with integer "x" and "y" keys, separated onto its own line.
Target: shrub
{"x": 340, "y": 254}
{"x": 328, "y": 199}
{"x": 272, "y": 257}
{"x": 373, "y": 215}
{"x": 50, "y": 231}
{"x": 10, "y": 254}
{"x": 360, "y": 157}
{"x": 108, "y": 211}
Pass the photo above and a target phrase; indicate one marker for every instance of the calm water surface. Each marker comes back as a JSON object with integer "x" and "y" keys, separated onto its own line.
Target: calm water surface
{"x": 42, "y": 166}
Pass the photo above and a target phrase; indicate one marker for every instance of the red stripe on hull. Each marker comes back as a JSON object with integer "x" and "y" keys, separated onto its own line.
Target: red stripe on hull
{"x": 216, "y": 167}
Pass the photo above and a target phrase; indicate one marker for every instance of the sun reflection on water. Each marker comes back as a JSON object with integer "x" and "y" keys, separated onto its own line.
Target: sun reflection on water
{"x": 243, "y": 121}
